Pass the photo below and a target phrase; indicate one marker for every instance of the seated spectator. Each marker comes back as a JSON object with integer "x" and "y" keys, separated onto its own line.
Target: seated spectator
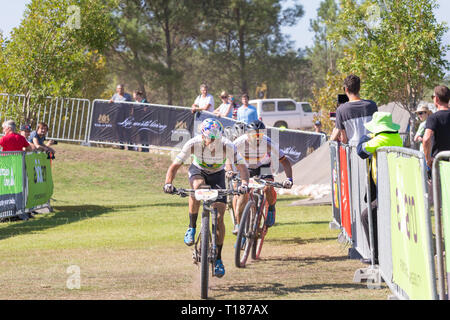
{"x": 13, "y": 141}
{"x": 120, "y": 95}
{"x": 37, "y": 138}
{"x": 384, "y": 133}
{"x": 138, "y": 96}
{"x": 25, "y": 131}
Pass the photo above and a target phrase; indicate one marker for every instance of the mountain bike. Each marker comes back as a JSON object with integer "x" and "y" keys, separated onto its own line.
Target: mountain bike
{"x": 252, "y": 227}
{"x": 205, "y": 248}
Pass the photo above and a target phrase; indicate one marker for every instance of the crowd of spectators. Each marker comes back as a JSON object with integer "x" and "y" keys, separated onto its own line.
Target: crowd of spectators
{"x": 27, "y": 140}
{"x": 359, "y": 123}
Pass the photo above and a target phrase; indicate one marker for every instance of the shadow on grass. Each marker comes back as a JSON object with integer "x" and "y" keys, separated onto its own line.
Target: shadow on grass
{"x": 298, "y": 240}
{"x": 63, "y": 215}
{"x": 280, "y": 289}
{"x": 69, "y": 214}
{"x": 300, "y": 222}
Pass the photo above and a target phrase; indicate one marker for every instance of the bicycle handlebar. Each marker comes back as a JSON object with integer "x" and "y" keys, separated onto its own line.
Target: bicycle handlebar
{"x": 222, "y": 192}
{"x": 265, "y": 182}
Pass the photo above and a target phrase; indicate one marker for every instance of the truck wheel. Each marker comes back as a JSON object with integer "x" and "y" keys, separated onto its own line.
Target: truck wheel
{"x": 281, "y": 124}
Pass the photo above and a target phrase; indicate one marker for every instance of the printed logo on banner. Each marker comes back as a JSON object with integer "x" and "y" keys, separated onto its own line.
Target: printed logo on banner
{"x": 40, "y": 172}
{"x": 181, "y": 125}
{"x": 103, "y": 121}
{"x": 8, "y": 174}
{"x": 151, "y": 125}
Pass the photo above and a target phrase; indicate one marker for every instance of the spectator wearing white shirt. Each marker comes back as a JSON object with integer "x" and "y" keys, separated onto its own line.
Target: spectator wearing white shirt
{"x": 204, "y": 102}
{"x": 226, "y": 108}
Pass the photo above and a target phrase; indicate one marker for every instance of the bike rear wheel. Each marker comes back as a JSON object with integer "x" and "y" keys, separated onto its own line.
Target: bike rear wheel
{"x": 261, "y": 231}
{"x": 245, "y": 236}
{"x": 204, "y": 270}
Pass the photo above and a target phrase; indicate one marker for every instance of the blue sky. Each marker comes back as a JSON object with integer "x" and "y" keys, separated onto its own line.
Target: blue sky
{"x": 12, "y": 12}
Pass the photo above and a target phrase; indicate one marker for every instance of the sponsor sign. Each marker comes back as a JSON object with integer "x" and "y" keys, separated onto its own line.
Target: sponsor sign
{"x": 11, "y": 182}
{"x": 346, "y": 219}
{"x": 444, "y": 169}
{"x": 409, "y": 231}
{"x": 40, "y": 183}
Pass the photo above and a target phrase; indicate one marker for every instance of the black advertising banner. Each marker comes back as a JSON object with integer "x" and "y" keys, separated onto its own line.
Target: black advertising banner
{"x": 165, "y": 126}
{"x": 135, "y": 123}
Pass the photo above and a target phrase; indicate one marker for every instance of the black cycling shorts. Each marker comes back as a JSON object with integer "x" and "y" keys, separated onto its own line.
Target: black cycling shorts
{"x": 215, "y": 180}
{"x": 263, "y": 172}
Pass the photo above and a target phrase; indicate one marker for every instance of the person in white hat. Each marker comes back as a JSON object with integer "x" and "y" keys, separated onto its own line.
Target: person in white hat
{"x": 422, "y": 112}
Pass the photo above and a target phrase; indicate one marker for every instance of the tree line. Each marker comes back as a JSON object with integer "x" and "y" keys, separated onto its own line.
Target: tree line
{"x": 167, "y": 48}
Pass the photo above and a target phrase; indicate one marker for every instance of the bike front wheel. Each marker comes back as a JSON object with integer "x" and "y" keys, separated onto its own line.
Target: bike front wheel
{"x": 261, "y": 231}
{"x": 245, "y": 236}
{"x": 204, "y": 270}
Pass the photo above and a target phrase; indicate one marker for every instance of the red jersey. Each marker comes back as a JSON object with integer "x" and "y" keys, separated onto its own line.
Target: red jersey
{"x": 13, "y": 142}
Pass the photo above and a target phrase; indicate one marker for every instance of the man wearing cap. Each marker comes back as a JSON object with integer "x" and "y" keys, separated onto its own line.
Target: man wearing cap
{"x": 25, "y": 131}
{"x": 383, "y": 133}
{"x": 422, "y": 112}
{"x": 318, "y": 127}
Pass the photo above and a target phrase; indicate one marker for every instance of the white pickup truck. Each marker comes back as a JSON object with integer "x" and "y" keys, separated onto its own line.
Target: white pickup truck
{"x": 285, "y": 113}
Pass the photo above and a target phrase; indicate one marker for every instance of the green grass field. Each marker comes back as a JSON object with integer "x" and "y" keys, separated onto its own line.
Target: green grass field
{"x": 113, "y": 222}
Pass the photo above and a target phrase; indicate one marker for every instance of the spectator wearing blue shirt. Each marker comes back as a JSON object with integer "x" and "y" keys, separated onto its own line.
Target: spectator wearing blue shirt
{"x": 38, "y": 138}
{"x": 246, "y": 113}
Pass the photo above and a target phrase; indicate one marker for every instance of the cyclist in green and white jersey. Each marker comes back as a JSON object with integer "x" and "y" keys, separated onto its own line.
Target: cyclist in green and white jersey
{"x": 210, "y": 153}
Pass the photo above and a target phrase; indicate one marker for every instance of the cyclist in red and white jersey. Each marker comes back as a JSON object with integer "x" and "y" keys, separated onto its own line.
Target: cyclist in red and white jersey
{"x": 261, "y": 155}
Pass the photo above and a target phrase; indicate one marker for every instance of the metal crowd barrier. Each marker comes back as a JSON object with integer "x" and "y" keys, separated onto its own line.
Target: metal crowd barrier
{"x": 67, "y": 118}
{"x": 405, "y": 250}
{"x": 348, "y": 205}
{"x": 441, "y": 192}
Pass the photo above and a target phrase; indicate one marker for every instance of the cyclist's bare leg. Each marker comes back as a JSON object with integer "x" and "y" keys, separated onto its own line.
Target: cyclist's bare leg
{"x": 240, "y": 206}
{"x": 221, "y": 207}
{"x": 194, "y": 205}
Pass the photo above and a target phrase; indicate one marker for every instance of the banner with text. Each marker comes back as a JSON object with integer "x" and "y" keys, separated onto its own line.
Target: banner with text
{"x": 40, "y": 182}
{"x": 166, "y": 126}
{"x": 11, "y": 182}
{"x": 444, "y": 169}
{"x": 134, "y": 123}
{"x": 410, "y": 233}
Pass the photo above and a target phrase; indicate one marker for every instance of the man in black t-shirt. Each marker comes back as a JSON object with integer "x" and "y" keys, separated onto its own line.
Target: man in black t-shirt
{"x": 352, "y": 115}
{"x": 437, "y": 126}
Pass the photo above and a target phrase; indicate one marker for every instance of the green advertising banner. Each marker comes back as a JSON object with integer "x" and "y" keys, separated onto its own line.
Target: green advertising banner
{"x": 40, "y": 183}
{"x": 444, "y": 168}
{"x": 410, "y": 235}
{"x": 11, "y": 182}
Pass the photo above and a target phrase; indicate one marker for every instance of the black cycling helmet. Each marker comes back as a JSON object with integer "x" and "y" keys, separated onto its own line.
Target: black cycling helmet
{"x": 256, "y": 125}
